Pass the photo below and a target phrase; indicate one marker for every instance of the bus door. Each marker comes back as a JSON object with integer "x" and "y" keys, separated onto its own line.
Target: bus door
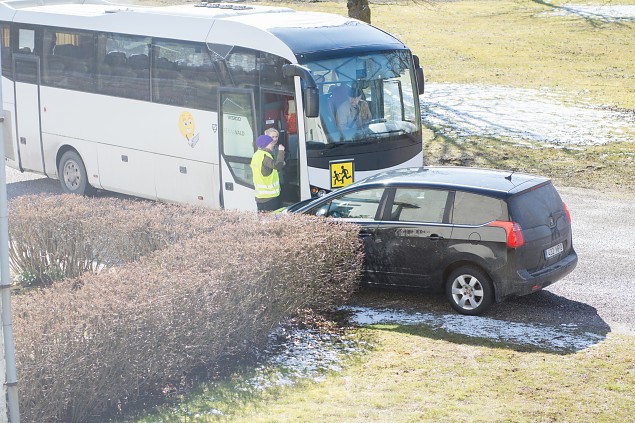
{"x": 279, "y": 112}
{"x": 238, "y": 132}
{"x": 26, "y": 69}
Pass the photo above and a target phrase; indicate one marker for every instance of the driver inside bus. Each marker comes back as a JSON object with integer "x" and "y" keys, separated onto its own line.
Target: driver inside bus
{"x": 352, "y": 114}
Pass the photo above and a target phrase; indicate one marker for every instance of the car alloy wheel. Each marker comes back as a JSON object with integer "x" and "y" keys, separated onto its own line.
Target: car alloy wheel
{"x": 469, "y": 291}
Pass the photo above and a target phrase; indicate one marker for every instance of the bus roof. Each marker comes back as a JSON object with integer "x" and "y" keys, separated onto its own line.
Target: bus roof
{"x": 296, "y": 36}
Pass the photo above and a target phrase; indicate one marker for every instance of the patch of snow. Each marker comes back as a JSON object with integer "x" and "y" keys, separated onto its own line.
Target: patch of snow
{"x": 604, "y": 13}
{"x": 516, "y": 114}
{"x": 563, "y": 338}
{"x": 294, "y": 354}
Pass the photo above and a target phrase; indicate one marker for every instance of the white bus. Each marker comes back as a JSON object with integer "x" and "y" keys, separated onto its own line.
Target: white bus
{"x": 165, "y": 103}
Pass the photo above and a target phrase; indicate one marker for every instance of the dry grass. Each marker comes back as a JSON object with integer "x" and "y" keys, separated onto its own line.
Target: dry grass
{"x": 512, "y": 43}
{"x": 416, "y": 374}
{"x": 606, "y": 167}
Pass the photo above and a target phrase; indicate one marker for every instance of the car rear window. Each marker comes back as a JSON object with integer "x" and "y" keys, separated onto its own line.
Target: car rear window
{"x": 531, "y": 208}
{"x": 475, "y": 209}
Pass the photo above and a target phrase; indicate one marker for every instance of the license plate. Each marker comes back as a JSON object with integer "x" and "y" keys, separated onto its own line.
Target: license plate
{"x": 556, "y": 249}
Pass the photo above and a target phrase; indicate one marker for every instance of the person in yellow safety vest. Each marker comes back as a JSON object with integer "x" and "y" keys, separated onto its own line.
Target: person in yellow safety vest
{"x": 264, "y": 168}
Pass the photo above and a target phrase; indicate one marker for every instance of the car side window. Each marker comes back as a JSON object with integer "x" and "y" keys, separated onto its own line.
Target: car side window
{"x": 475, "y": 209}
{"x": 419, "y": 205}
{"x": 361, "y": 204}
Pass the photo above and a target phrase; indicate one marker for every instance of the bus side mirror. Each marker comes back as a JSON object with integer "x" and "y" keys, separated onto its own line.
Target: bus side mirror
{"x": 311, "y": 95}
{"x": 420, "y": 81}
{"x": 419, "y": 75}
{"x": 311, "y": 102}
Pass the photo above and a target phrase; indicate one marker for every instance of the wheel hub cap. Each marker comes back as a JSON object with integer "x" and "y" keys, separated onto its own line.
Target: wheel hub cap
{"x": 71, "y": 175}
{"x": 467, "y": 292}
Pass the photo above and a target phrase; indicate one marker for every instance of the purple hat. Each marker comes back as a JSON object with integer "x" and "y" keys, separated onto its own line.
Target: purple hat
{"x": 263, "y": 141}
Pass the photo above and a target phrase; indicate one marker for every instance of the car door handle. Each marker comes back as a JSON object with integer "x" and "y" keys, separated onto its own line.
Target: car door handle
{"x": 364, "y": 234}
{"x": 435, "y": 237}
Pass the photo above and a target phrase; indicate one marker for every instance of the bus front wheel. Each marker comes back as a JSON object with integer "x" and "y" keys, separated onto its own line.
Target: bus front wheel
{"x": 73, "y": 175}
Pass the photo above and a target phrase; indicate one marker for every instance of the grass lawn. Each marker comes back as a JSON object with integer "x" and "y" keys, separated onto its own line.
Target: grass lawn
{"x": 514, "y": 43}
{"x": 413, "y": 373}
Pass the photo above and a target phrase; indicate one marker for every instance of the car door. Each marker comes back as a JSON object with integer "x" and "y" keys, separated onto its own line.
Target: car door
{"x": 412, "y": 238}
{"x": 362, "y": 207}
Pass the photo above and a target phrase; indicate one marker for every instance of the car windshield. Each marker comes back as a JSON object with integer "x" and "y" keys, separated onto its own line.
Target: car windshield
{"x": 363, "y": 99}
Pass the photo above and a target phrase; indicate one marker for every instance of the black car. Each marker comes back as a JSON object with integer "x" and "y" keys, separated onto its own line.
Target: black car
{"x": 480, "y": 235}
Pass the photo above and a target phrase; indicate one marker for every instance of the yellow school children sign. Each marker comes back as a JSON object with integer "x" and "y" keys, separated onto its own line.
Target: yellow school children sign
{"x": 342, "y": 173}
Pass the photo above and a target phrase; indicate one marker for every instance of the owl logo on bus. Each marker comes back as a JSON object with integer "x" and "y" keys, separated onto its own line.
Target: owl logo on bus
{"x": 188, "y": 128}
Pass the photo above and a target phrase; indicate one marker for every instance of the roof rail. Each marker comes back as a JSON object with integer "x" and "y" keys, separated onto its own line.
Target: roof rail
{"x": 230, "y": 6}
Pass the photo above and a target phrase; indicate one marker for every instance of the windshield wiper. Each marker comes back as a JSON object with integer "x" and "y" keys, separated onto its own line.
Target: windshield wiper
{"x": 333, "y": 146}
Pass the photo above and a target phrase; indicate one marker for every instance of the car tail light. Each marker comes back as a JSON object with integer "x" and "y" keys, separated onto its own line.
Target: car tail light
{"x": 515, "y": 237}
{"x": 566, "y": 209}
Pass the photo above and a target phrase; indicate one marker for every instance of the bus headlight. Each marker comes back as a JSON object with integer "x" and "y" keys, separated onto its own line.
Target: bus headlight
{"x": 318, "y": 192}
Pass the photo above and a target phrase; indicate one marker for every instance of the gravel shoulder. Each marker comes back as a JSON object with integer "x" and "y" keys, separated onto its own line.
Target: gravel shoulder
{"x": 604, "y": 234}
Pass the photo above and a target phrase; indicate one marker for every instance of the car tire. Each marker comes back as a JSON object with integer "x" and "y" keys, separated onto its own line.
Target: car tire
{"x": 72, "y": 174}
{"x": 469, "y": 290}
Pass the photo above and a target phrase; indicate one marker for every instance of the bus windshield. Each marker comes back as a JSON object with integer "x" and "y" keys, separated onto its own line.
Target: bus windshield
{"x": 363, "y": 99}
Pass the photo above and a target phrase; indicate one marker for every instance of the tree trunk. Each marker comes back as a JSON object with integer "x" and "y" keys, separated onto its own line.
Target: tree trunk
{"x": 359, "y": 9}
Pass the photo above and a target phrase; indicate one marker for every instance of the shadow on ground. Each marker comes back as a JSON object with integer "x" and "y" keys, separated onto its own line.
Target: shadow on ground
{"x": 49, "y": 186}
{"x": 542, "y": 321}
{"x": 33, "y": 187}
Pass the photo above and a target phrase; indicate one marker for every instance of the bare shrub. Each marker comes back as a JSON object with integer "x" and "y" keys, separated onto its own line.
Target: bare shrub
{"x": 85, "y": 343}
{"x": 52, "y": 237}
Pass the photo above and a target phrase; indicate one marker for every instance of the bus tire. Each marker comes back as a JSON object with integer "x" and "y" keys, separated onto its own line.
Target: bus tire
{"x": 72, "y": 174}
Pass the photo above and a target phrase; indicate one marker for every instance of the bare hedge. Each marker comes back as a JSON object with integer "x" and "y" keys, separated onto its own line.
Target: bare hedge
{"x": 214, "y": 287}
{"x": 64, "y": 236}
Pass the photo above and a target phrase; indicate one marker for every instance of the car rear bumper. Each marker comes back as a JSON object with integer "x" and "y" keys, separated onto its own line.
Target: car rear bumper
{"x": 523, "y": 282}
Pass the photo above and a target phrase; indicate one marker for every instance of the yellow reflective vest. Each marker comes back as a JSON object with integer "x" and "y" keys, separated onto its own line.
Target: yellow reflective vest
{"x": 266, "y": 186}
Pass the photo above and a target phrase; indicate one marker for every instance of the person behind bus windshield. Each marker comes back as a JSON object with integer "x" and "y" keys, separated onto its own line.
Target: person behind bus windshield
{"x": 352, "y": 114}
{"x": 265, "y": 169}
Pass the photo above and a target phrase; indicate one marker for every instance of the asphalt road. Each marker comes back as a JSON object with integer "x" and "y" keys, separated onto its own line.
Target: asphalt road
{"x": 597, "y": 296}
{"x": 597, "y": 292}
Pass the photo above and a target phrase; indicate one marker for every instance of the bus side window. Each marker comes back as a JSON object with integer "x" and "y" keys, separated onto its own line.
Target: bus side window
{"x": 270, "y": 69}
{"x": 242, "y": 68}
{"x": 67, "y": 59}
{"x": 121, "y": 71}
{"x": 26, "y": 41}
{"x": 168, "y": 86}
{"x": 26, "y": 71}
{"x": 183, "y": 74}
{"x": 5, "y": 32}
